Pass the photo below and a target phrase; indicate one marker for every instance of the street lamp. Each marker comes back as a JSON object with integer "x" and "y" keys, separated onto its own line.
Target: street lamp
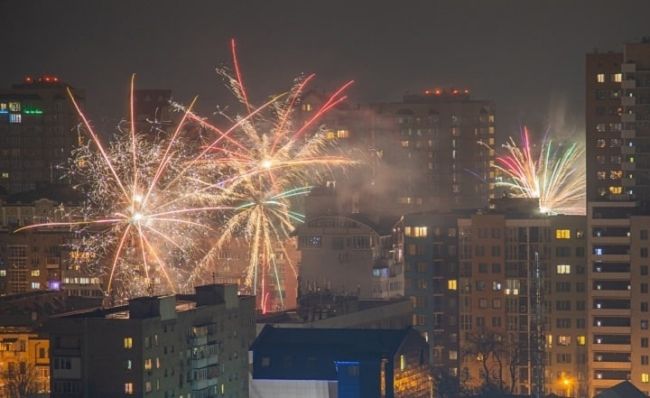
{"x": 567, "y": 382}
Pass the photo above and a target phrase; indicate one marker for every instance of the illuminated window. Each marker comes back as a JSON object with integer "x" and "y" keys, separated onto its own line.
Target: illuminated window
{"x": 405, "y": 144}
{"x": 416, "y": 232}
{"x": 615, "y": 190}
{"x": 14, "y": 106}
{"x": 128, "y": 388}
{"x": 306, "y": 107}
{"x": 3, "y": 106}
{"x": 3, "y": 272}
{"x": 330, "y": 135}
{"x": 617, "y": 77}
{"x": 645, "y": 378}
{"x": 601, "y": 143}
{"x": 128, "y": 343}
{"x": 600, "y": 78}
{"x": 36, "y": 285}
{"x": 129, "y": 364}
{"x": 615, "y": 174}
{"x": 36, "y": 272}
{"x": 453, "y": 355}
{"x": 582, "y": 340}
{"x": 562, "y": 234}
{"x": 564, "y": 340}
{"x": 147, "y": 386}
{"x": 342, "y": 133}
{"x": 4, "y": 174}
{"x": 563, "y": 269}
{"x": 15, "y": 118}
{"x": 402, "y": 362}
{"x": 452, "y": 284}
{"x": 148, "y": 364}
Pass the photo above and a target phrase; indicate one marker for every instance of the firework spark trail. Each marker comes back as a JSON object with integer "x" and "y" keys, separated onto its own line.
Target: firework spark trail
{"x": 555, "y": 175}
{"x": 274, "y": 162}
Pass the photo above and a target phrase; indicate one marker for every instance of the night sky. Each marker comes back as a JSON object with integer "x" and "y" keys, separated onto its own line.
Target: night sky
{"x": 527, "y": 56}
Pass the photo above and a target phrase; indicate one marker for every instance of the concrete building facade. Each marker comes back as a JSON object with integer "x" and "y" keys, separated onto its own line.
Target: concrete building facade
{"x": 37, "y": 132}
{"x": 171, "y": 346}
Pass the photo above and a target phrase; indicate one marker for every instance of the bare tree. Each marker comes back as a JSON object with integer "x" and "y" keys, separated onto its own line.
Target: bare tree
{"x": 21, "y": 381}
{"x": 489, "y": 349}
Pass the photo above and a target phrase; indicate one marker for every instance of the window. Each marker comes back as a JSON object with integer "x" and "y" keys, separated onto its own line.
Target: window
{"x": 564, "y": 340}
{"x": 129, "y": 364}
{"x": 582, "y": 340}
{"x": 482, "y": 303}
{"x": 342, "y": 133}
{"x": 617, "y": 77}
{"x": 147, "y": 386}
{"x": 148, "y": 364}
{"x": 562, "y": 234}
{"x": 36, "y": 285}
{"x": 644, "y": 252}
{"x": 128, "y": 343}
{"x": 452, "y": 284}
{"x": 36, "y": 272}
{"x": 306, "y": 107}
{"x": 563, "y": 269}
{"x": 645, "y": 377}
{"x": 128, "y": 388}
{"x": 15, "y": 118}
{"x": 416, "y": 232}
{"x": 266, "y": 362}
{"x": 644, "y": 234}
{"x": 3, "y": 272}
{"x": 402, "y": 362}
{"x": 600, "y": 78}
{"x": 14, "y": 106}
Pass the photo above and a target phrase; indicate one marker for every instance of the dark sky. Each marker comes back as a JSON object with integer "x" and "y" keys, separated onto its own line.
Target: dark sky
{"x": 526, "y": 55}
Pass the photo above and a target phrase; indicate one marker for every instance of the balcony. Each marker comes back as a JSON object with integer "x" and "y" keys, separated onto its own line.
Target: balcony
{"x": 612, "y": 347}
{"x": 628, "y": 117}
{"x": 611, "y": 240}
{"x": 628, "y": 101}
{"x": 628, "y": 84}
{"x": 628, "y": 166}
{"x": 628, "y": 150}
{"x": 609, "y": 294}
{"x": 628, "y": 68}
{"x": 628, "y": 182}
{"x": 611, "y": 329}
{"x": 611, "y": 312}
{"x": 628, "y": 134}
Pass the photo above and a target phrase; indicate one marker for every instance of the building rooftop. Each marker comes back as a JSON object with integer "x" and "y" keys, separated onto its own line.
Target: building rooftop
{"x": 164, "y": 306}
{"x": 337, "y": 341}
{"x": 622, "y": 390}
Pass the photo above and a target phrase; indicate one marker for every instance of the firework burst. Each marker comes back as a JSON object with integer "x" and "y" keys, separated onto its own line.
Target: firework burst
{"x": 137, "y": 210}
{"x": 554, "y": 174}
{"x": 257, "y": 167}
